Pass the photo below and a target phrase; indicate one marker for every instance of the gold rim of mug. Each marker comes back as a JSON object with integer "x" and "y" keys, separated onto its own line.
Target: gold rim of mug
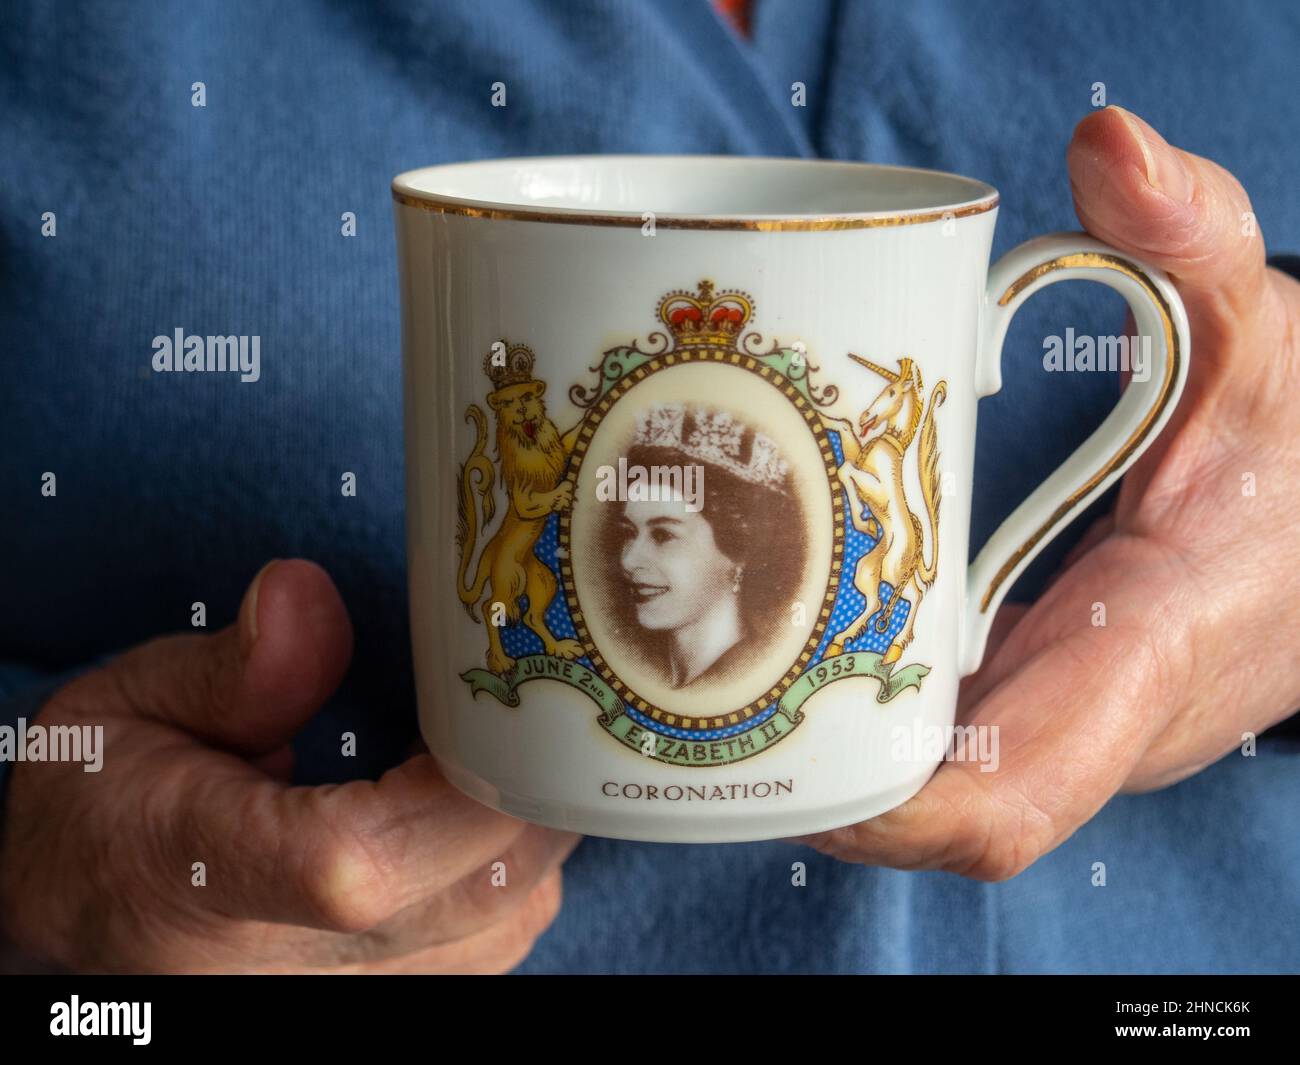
{"x": 565, "y": 216}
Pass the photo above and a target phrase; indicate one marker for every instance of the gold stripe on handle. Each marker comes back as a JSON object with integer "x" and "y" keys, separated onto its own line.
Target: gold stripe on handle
{"x": 760, "y": 225}
{"x": 1097, "y": 261}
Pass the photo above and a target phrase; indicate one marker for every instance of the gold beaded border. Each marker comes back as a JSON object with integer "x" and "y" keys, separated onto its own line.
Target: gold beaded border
{"x": 779, "y": 381}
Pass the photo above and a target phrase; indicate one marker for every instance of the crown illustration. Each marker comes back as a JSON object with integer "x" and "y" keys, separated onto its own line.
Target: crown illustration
{"x": 714, "y": 437}
{"x": 705, "y": 319}
{"x": 514, "y": 368}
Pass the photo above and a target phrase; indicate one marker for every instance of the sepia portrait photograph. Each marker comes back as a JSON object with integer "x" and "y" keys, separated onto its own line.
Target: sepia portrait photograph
{"x": 701, "y": 538}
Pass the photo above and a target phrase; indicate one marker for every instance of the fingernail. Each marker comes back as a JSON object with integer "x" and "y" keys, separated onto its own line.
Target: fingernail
{"x": 248, "y": 614}
{"x": 1165, "y": 171}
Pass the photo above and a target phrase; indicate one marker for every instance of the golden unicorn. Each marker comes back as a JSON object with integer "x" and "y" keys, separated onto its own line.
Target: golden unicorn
{"x": 872, "y": 473}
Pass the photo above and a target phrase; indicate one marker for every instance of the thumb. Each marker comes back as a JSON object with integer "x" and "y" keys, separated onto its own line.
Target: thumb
{"x": 1184, "y": 214}
{"x": 250, "y": 687}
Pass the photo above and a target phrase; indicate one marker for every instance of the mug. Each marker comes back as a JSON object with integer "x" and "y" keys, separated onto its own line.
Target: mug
{"x": 689, "y": 450}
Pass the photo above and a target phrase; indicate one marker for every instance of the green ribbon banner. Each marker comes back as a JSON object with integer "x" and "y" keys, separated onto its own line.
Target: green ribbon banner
{"x": 684, "y": 751}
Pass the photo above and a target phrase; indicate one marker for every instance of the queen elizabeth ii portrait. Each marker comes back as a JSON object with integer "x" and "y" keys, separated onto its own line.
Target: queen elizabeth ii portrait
{"x": 700, "y": 566}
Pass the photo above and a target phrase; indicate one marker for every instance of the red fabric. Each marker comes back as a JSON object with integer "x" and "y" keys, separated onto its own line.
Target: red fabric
{"x": 736, "y": 12}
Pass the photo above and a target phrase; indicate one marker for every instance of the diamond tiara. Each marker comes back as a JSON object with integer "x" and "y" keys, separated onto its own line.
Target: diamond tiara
{"x": 714, "y": 437}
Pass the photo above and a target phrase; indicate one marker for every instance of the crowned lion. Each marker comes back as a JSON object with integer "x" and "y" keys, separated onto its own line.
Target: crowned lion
{"x": 533, "y": 456}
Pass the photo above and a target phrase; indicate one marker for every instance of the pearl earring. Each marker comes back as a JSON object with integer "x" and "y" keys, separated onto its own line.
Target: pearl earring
{"x": 735, "y": 578}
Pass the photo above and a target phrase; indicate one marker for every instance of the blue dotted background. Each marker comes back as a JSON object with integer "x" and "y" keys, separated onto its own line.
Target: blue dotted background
{"x": 519, "y": 640}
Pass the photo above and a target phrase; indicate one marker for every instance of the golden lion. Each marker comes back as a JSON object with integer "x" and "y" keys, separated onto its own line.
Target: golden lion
{"x": 532, "y": 455}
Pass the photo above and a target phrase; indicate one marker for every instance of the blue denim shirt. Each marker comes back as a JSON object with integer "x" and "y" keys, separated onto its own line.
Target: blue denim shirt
{"x": 226, "y": 219}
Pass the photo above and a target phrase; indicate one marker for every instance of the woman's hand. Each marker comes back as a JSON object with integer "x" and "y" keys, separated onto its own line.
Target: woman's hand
{"x": 1198, "y": 567}
{"x": 96, "y": 871}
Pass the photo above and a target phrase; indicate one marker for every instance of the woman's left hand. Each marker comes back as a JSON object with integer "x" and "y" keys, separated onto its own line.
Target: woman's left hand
{"x": 1198, "y": 567}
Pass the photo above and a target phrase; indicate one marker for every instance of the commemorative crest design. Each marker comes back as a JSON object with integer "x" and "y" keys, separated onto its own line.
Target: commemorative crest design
{"x": 710, "y": 544}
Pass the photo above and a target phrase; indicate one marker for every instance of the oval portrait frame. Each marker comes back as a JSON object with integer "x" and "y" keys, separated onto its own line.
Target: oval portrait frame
{"x": 812, "y": 419}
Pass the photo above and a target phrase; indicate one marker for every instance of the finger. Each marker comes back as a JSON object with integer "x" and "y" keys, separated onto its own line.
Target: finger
{"x": 496, "y": 949}
{"x": 1071, "y": 723}
{"x": 991, "y": 671}
{"x": 341, "y": 858}
{"x": 252, "y": 686}
{"x": 1180, "y": 212}
{"x": 486, "y": 897}
{"x": 277, "y": 764}
{"x": 1010, "y": 643}
{"x": 1095, "y": 534}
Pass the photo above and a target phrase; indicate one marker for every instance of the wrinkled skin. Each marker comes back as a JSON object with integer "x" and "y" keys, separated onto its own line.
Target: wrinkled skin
{"x": 395, "y": 876}
{"x": 387, "y": 876}
{"x": 1201, "y": 582}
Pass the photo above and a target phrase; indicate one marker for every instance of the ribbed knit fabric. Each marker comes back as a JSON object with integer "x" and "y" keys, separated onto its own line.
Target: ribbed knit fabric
{"x": 226, "y": 219}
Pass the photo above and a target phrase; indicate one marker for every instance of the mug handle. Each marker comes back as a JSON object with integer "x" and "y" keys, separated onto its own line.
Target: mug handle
{"x": 1129, "y": 429}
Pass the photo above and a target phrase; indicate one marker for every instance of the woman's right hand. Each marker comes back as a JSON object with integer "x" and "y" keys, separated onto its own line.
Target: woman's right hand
{"x": 97, "y": 870}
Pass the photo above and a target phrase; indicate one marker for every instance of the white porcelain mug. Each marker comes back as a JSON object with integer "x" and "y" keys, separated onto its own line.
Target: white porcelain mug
{"x": 689, "y": 449}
